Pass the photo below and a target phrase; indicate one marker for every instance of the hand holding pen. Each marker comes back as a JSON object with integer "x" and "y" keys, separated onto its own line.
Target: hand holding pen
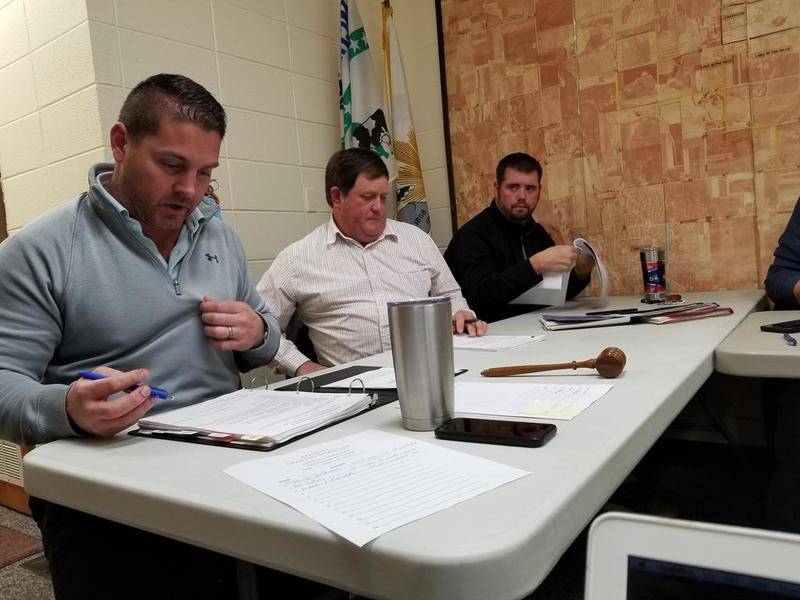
{"x": 88, "y": 408}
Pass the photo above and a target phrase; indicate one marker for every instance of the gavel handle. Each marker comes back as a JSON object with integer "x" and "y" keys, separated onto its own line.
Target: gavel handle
{"x": 521, "y": 369}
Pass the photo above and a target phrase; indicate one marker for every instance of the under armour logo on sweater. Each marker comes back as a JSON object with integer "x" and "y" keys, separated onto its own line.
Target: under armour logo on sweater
{"x": 212, "y": 257}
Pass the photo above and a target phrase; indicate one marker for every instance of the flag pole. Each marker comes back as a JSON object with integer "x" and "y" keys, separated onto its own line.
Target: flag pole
{"x": 386, "y": 14}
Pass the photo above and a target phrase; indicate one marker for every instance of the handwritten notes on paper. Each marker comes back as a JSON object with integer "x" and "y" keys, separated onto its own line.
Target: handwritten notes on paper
{"x": 364, "y": 485}
{"x": 541, "y": 400}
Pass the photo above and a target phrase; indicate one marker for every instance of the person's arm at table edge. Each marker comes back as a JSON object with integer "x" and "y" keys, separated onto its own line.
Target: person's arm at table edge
{"x": 34, "y": 271}
{"x": 782, "y": 282}
{"x": 483, "y": 286}
{"x": 277, "y": 289}
{"x": 444, "y": 284}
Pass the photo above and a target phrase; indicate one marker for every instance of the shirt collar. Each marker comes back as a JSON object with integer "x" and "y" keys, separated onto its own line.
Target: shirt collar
{"x": 333, "y": 233}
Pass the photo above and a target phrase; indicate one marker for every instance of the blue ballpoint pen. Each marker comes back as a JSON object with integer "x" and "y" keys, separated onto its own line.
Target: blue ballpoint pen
{"x": 154, "y": 391}
{"x": 790, "y": 339}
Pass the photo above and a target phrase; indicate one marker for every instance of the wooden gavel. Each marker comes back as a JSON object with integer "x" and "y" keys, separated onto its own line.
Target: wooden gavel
{"x": 609, "y": 363}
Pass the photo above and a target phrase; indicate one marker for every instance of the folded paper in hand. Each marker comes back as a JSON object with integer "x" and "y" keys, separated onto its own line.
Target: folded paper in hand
{"x": 552, "y": 290}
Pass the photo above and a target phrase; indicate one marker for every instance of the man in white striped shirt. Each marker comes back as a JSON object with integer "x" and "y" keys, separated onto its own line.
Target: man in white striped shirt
{"x": 338, "y": 278}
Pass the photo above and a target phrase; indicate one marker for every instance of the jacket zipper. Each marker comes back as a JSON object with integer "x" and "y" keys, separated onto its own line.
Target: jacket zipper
{"x": 176, "y": 284}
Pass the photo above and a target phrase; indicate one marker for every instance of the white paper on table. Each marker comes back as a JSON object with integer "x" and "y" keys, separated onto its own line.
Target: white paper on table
{"x": 366, "y": 484}
{"x": 538, "y": 400}
{"x": 375, "y": 379}
{"x": 493, "y": 343}
{"x": 260, "y": 413}
{"x": 551, "y": 291}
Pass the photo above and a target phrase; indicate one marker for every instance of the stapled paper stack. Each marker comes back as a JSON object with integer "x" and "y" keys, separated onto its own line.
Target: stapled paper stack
{"x": 255, "y": 417}
{"x": 659, "y": 316}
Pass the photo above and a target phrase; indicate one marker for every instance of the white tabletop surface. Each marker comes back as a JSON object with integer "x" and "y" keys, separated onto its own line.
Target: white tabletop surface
{"x": 500, "y": 544}
{"x": 750, "y": 352}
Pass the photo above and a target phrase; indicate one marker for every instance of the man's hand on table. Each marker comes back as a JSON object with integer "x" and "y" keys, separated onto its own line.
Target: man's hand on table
{"x": 308, "y": 367}
{"x": 464, "y": 321}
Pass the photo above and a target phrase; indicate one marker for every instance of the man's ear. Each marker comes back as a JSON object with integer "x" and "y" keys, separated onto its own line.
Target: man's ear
{"x": 336, "y": 196}
{"x": 119, "y": 140}
{"x": 496, "y": 189}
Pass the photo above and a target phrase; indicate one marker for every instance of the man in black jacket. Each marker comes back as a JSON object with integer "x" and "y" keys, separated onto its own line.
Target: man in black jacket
{"x": 502, "y": 252}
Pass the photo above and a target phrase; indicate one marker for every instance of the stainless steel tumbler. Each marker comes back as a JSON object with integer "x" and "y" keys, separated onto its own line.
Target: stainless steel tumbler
{"x": 421, "y": 332}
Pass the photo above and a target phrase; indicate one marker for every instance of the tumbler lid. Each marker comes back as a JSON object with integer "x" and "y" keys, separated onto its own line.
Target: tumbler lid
{"x": 421, "y": 301}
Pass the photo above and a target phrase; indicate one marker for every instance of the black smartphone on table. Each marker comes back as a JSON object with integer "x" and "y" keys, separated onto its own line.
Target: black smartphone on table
{"x": 487, "y": 431}
{"x": 783, "y": 327}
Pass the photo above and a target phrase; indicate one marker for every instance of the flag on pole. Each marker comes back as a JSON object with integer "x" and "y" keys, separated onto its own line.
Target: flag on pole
{"x": 360, "y": 99}
{"x": 411, "y": 202}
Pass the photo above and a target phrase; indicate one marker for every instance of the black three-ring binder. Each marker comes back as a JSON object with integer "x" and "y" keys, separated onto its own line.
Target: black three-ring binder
{"x": 384, "y": 396}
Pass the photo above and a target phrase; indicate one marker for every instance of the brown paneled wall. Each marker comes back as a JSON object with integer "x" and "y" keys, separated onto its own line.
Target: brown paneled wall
{"x": 657, "y": 121}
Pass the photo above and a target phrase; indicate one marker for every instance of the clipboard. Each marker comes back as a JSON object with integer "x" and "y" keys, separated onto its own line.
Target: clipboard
{"x": 383, "y": 397}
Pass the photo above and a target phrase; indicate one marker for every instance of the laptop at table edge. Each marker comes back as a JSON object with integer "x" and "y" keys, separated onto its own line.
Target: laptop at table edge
{"x": 613, "y": 537}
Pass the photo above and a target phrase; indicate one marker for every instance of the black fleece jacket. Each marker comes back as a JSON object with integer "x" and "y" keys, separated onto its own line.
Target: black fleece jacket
{"x": 489, "y": 258}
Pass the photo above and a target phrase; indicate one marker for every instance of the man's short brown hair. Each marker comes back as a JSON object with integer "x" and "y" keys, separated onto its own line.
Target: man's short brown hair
{"x": 345, "y": 166}
{"x": 519, "y": 161}
{"x": 174, "y": 96}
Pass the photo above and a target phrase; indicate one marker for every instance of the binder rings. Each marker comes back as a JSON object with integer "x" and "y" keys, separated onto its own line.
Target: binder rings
{"x": 380, "y": 398}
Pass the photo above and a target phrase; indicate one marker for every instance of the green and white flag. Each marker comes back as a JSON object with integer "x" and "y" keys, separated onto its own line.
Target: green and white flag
{"x": 360, "y": 96}
{"x": 411, "y": 202}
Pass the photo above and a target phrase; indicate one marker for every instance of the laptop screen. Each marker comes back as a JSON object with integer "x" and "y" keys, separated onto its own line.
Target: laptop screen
{"x": 650, "y": 579}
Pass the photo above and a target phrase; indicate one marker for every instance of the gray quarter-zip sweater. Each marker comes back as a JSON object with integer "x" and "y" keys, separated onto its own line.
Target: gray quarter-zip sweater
{"x": 78, "y": 290}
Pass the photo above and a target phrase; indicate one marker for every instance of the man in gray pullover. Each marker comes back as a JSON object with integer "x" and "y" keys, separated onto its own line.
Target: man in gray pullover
{"x": 135, "y": 279}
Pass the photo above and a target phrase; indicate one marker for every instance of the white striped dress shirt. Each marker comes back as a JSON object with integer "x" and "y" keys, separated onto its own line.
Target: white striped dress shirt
{"x": 340, "y": 288}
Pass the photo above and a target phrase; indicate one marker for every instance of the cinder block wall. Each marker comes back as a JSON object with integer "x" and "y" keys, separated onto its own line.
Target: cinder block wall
{"x": 66, "y": 66}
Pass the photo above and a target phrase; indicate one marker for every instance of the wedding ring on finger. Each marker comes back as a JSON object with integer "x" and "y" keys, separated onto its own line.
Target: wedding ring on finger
{"x": 230, "y": 333}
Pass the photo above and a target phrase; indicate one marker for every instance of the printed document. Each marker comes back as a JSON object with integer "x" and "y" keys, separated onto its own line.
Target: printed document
{"x": 552, "y": 290}
{"x": 585, "y": 247}
{"x": 538, "y": 400}
{"x": 493, "y": 343}
{"x": 376, "y": 379}
{"x": 364, "y": 485}
{"x": 266, "y": 415}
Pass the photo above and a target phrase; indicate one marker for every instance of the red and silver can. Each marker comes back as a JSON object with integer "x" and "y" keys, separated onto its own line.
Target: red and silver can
{"x": 655, "y": 282}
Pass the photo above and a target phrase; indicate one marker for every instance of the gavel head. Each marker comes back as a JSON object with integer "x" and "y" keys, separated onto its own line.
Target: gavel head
{"x": 610, "y": 362}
